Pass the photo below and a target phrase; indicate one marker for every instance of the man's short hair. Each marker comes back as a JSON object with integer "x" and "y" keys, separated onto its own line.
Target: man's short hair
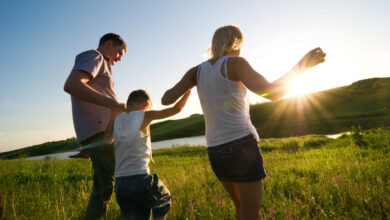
{"x": 138, "y": 96}
{"x": 114, "y": 38}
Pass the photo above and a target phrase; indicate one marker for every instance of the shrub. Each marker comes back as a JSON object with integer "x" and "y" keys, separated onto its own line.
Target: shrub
{"x": 290, "y": 146}
{"x": 357, "y": 136}
{"x": 314, "y": 143}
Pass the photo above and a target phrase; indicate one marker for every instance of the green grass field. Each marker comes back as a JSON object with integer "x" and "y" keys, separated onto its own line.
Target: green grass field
{"x": 309, "y": 177}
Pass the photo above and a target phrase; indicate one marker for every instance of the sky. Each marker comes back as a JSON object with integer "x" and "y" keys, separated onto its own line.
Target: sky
{"x": 40, "y": 39}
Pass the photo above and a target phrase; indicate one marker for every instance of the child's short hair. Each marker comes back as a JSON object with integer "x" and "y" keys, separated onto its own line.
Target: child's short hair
{"x": 138, "y": 96}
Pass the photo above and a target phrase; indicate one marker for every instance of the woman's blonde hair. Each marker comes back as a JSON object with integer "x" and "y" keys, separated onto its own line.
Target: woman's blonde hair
{"x": 226, "y": 39}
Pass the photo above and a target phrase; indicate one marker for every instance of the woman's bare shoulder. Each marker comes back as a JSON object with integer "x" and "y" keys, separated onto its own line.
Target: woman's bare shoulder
{"x": 237, "y": 65}
{"x": 238, "y": 61}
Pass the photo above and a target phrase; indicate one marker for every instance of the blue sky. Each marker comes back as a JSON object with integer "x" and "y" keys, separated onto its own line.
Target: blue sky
{"x": 40, "y": 40}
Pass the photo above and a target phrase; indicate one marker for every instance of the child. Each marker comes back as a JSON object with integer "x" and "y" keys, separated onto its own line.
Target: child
{"x": 137, "y": 191}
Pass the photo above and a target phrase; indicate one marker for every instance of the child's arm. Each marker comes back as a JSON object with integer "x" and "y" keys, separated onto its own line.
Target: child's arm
{"x": 154, "y": 115}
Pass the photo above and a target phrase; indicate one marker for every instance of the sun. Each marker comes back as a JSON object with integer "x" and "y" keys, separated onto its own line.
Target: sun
{"x": 303, "y": 85}
{"x": 309, "y": 82}
{"x": 298, "y": 87}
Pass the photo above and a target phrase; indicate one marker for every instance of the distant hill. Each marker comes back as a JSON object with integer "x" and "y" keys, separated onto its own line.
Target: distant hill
{"x": 42, "y": 149}
{"x": 365, "y": 103}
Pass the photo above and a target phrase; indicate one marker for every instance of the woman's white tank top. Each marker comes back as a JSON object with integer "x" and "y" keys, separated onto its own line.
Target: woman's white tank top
{"x": 225, "y": 104}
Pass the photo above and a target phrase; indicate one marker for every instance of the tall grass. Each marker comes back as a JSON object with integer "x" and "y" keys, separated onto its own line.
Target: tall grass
{"x": 309, "y": 177}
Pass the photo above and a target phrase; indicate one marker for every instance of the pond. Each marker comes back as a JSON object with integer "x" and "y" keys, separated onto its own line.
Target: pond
{"x": 196, "y": 140}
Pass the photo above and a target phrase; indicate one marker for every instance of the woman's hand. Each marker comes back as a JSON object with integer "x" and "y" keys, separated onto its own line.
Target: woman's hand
{"x": 312, "y": 58}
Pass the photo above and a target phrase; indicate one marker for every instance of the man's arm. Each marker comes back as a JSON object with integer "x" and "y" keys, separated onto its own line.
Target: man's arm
{"x": 187, "y": 82}
{"x": 76, "y": 85}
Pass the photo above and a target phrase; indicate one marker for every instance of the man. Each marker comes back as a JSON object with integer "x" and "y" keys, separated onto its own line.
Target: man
{"x": 90, "y": 85}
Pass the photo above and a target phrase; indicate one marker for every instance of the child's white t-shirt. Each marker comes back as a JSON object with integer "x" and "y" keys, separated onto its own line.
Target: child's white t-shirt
{"x": 132, "y": 147}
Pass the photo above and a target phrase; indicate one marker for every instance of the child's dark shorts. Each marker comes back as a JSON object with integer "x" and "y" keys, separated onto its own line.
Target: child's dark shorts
{"x": 137, "y": 195}
{"x": 237, "y": 161}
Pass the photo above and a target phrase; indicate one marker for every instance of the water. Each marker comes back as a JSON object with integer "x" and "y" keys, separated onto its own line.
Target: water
{"x": 335, "y": 136}
{"x": 196, "y": 140}
{"x": 53, "y": 156}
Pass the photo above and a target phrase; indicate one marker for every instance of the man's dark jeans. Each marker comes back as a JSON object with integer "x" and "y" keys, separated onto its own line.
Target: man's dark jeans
{"x": 103, "y": 165}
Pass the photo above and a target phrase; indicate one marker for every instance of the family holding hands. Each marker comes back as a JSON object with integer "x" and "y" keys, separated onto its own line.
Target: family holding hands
{"x": 232, "y": 140}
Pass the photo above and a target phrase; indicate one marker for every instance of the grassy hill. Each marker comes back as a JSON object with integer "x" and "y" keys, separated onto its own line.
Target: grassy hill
{"x": 365, "y": 103}
{"x": 42, "y": 149}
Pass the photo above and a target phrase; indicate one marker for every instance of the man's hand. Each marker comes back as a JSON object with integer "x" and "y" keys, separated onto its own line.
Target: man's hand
{"x": 313, "y": 58}
{"x": 108, "y": 139}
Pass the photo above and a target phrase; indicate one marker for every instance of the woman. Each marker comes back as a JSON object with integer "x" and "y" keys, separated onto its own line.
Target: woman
{"x": 232, "y": 141}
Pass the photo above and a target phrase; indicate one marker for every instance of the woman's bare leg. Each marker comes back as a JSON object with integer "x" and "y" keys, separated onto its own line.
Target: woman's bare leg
{"x": 251, "y": 194}
{"x": 232, "y": 189}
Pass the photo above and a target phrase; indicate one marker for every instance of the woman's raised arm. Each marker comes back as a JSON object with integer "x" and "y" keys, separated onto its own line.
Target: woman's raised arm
{"x": 240, "y": 70}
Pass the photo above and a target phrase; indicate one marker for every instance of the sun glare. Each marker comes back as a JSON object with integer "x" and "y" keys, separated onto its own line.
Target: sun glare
{"x": 305, "y": 84}
{"x": 299, "y": 87}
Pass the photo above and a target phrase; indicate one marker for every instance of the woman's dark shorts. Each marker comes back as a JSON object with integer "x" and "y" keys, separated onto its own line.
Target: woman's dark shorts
{"x": 237, "y": 161}
{"x": 137, "y": 195}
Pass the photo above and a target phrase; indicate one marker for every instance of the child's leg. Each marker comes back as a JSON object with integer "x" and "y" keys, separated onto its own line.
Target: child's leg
{"x": 128, "y": 190}
{"x": 160, "y": 192}
{"x": 161, "y": 213}
{"x": 134, "y": 211}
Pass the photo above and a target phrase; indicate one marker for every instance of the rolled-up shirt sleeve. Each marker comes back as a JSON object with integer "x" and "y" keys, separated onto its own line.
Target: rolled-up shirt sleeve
{"x": 90, "y": 61}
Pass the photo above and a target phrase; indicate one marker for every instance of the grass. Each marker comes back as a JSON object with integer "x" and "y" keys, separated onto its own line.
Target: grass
{"x": 309, "y": 177}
